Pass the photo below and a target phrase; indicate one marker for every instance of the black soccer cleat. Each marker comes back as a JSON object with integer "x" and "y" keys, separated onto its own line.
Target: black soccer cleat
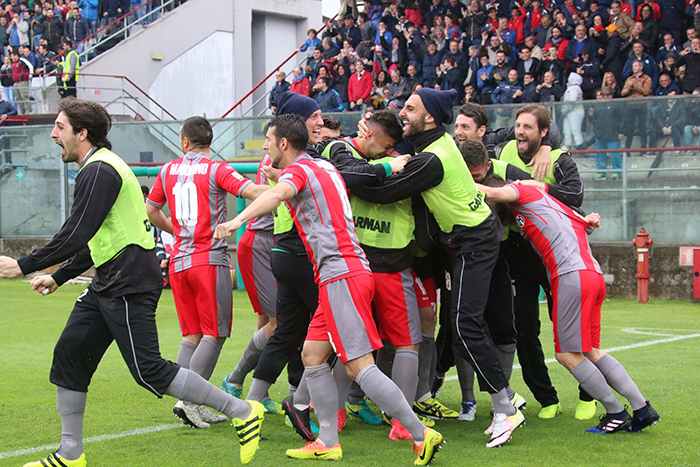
{"x": 300, "y": 420}
{"x": 612, "y": 423}
{"x": 644, "y": 417}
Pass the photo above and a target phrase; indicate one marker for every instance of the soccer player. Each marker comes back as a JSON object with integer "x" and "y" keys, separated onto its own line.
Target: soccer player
{"x": 316, "y": 196}
{"x": 194, "y": 187}
{"x": 559, "y": 235}
{"x": 108, "y": 229}
{"x": 385, "y": 233}
{"x": 532, "y": 124}
{"x": 466, "y": 229}
{"x": 255, "y": 264}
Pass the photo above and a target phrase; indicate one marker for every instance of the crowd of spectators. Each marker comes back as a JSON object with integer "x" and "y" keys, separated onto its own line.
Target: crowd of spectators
{"x": 502, "y": 52}
{"x": 36, "y": 35}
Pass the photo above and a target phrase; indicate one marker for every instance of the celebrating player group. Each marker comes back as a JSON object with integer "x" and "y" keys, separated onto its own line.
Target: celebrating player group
{"x": 356, "y": 250}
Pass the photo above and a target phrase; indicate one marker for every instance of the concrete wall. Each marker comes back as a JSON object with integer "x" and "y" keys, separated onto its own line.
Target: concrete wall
{"x": 180, "y": 57}
{"x": 617, "y": 260}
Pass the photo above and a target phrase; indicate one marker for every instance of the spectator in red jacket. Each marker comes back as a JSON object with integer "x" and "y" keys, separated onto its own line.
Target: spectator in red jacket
{"x": 359, "y": 87}
{"x": 300, "y": 83}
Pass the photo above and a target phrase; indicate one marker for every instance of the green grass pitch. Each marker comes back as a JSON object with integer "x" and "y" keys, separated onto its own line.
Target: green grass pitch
{"x": 662, "y": 353}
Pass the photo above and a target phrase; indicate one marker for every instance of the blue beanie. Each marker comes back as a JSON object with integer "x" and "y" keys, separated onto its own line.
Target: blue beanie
{"x": 438, "y": 104}
{"x": 292, "y": 103}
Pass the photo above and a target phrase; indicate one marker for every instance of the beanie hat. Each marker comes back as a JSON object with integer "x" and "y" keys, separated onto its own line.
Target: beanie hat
{"x": 438, "y": 104}
{"x": 292, "y": 103}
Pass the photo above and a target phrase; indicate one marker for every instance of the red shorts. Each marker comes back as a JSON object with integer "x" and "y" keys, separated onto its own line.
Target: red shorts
{"x": 254, "y": 254}
{"x": 344, "y": 317}
{"x": 577, "y": 298}
{"x": 204, "y": 300}
{"x": 426, "y": 292}
{"x": 396, "y": 307}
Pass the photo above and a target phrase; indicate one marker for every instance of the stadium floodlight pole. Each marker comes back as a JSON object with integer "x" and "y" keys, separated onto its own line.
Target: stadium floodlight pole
{"x": 262, "y": 81}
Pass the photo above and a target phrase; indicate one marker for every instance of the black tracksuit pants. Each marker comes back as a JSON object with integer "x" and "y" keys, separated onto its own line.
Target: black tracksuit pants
{"x": 297, "y": 300}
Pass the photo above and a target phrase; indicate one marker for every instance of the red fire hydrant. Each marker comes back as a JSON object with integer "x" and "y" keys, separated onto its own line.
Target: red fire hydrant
{"x": 642, "y": 243}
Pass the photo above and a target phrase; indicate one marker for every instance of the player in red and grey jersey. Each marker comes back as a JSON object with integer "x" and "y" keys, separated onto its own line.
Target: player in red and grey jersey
{"x": 560, "y": 236}
{"x": 316, "y": 196}
{"x": 254, "y": 254}
{"x": 195, "y": 188}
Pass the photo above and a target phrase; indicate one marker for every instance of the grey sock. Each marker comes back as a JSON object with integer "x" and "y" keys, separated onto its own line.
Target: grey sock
{"x": 70, "y": 405}
{"x": 404, "y": 373}
{"x": 385, "y": 359}
{"x": 387, "y": 395}
{"x": 465, "y": 374}
{"x": 325, "y": 397}
{"x": 302, "y": 398}
{"x": 593, "y": 381}
{"x": 290, "y": 394}
{"x": 189, "y": 386}
{"x": 506, "y": 354}
{"x": 258, "y": 390}
{"x": 206, "y": 355}
{"x": 342, "y": 382}
{"x": 187, "y": 348}
{"x": 250, "y": 357}
{"x": 426, "y": 357}
{"x": 510, "y": 392}
{"x": 617, "y": 377}
{"x": 501, "y": 403}
{"x": 356, "y": 394}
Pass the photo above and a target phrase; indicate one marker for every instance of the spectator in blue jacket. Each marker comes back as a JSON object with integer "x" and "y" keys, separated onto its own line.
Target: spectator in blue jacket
{"x": 579, "y": 45}
{"x": 328, "y": 99}
{"x": 669, "y": 47}
{"x": 508, "y": 91}
{"x": 431, "y": 62}
{"x": 667, "y": 86}
{"x": 638, "y": 54}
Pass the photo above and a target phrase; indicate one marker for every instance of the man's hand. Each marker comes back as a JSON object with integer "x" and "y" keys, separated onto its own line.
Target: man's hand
{"x": 271, "y": 173}
{"x": 227, "y": 228}
{"x": 593, "y": 220}
{"x": 398, "y": 163}
{"x": 9, "y": 268}
{"x": 540, "y": 163}
{"x": 44, "y": 284}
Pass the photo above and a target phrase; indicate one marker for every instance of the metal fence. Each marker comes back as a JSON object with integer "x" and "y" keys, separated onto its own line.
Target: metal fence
{"x": 655, "y": 184}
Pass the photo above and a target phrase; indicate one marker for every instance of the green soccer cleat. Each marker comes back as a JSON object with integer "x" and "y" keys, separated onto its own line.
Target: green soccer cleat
{"x": 364, "y": 413}
{"x": 425, "y": 450}
{"x": 272, "y": 407}
{"x": 55, "y": 459}
{"x": 585, "y": 410}
{"x": 231, "y": 388}
{"x": 549, "y": 411}
{"x": 248, "y": 431}
{"x": 433, "y": 408}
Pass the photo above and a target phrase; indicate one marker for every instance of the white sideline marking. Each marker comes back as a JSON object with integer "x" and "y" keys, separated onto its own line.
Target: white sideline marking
{"x": 172, "y": 426}
{"x": 94, "y": 439}
{"x": 636, "y": 345}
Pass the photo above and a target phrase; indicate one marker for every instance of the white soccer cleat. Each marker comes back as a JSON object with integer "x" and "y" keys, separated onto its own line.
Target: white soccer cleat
{"x": 502, "y": 428}
{"x": 188, "y": 413}
{"x": 210, "y": 416}
{"x": 518, "y": 401}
